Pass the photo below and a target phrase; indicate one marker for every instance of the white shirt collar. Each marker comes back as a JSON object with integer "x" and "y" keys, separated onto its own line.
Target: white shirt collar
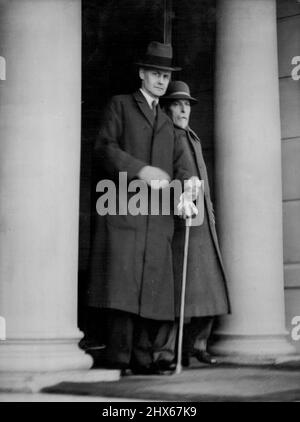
{"x": 149, "y": 99}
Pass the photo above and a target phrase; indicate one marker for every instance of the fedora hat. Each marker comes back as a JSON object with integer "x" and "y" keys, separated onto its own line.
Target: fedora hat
{"x": 178, "y": 90}
{"x": 158, "y": 56}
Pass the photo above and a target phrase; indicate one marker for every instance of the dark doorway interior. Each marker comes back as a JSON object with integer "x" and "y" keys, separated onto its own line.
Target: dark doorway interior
{"x": 114, "y": 35}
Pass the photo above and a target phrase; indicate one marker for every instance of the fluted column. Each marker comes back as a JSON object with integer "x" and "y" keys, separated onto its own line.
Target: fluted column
{"x": 248, "y": 178}
{"x": 39, "y": 185}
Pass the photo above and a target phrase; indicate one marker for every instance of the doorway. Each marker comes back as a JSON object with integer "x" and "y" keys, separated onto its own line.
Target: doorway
{"x": 114, "y": 36}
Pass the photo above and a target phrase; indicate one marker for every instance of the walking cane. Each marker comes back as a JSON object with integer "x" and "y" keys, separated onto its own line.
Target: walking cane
{"x": 188, "y": 223}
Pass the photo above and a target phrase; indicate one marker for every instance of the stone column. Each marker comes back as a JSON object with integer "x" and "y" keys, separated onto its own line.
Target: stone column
{"x": 40, "y": 103}
{"x": 248, "y": 178}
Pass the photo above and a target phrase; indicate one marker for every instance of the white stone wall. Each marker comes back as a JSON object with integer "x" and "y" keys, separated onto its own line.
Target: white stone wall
{"x": 288, "y": 13}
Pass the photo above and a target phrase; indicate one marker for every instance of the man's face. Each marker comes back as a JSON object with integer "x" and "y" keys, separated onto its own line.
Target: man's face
{"x": 180, "y": 111}
{"x": 154, "y": 81}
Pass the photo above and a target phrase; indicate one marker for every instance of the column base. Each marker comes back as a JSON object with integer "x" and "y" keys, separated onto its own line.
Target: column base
{"x": 41, "y": 355}
{"x": 31, "y": 365}
{"x": 33, "y": 382}
{"x": 252, "y": 348}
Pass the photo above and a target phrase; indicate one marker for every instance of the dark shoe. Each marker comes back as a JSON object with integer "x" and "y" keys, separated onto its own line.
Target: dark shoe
{"x": 125, "y": 372}
{"x": 105, "y": 364}
{"x": 204, "y": 357}
{"x": 157, "y": 368}
{"x": 164, "y": 367}
{"x": 143, "y": 370}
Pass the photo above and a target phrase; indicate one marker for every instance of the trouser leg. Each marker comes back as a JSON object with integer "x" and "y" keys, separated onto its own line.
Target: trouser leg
{"x": 164, "y": 341}
{"x": 200, "y": 342}
{"x": 119, "y": 338}
{"x": 137, "y": 342}
{"x": 153, "y": 341}
{"x": 196, "y": 333}
{"x": 142, "y": 345}
{"x": 188, "y": 338}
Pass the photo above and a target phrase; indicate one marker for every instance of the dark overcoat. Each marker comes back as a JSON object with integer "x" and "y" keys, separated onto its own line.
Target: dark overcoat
{"x": 131, "y": 260}
{"x": 206, "y": 288}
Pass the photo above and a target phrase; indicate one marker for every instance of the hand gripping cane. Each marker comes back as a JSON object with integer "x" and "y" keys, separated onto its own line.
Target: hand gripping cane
{"x": 197, "y": 221}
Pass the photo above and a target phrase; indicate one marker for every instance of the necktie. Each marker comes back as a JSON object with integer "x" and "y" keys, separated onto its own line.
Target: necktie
{"x": 154, "y": 108}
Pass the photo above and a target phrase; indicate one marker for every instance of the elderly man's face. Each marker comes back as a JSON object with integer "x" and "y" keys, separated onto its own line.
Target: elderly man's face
{"x": 154, "y": 81}
{"x": 180, "y": 111}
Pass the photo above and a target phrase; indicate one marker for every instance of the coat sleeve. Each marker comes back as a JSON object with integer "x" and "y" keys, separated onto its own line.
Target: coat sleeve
{"x": 182, "y": 160}
{"x": 108, "y": 151}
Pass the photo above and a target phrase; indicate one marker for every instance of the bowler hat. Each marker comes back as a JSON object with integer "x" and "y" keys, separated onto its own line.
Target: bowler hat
{"x": 178, "y": 90}
{"x": 158, "y": 56}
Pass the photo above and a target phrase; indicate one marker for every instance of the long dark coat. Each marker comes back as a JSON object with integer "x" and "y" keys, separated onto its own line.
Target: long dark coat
{"x": 206, "y": 288}
{"x": 131, "y": 260}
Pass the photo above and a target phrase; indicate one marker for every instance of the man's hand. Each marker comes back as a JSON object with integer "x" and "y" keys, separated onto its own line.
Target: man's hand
{"x": 192, "y": 188}
{"x": 186, "y": 207}
{"x": 154, "y": 177}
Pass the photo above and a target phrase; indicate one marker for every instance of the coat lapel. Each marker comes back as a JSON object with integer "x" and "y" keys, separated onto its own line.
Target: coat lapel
{"x": 192, "y": 139}
{"x": 199, "y": 159}
{"x": 144, "y": 107}
{"x": 147, "y": 112}
{"x": 161, "y": 118}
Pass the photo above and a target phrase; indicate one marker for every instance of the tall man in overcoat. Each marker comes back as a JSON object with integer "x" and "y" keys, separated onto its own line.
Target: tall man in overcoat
{"x": 131, "y": 264}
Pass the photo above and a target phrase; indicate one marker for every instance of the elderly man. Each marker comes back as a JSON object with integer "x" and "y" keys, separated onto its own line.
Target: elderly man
{"x": 206, "y": 289}
{"x": 131, "y": 263}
